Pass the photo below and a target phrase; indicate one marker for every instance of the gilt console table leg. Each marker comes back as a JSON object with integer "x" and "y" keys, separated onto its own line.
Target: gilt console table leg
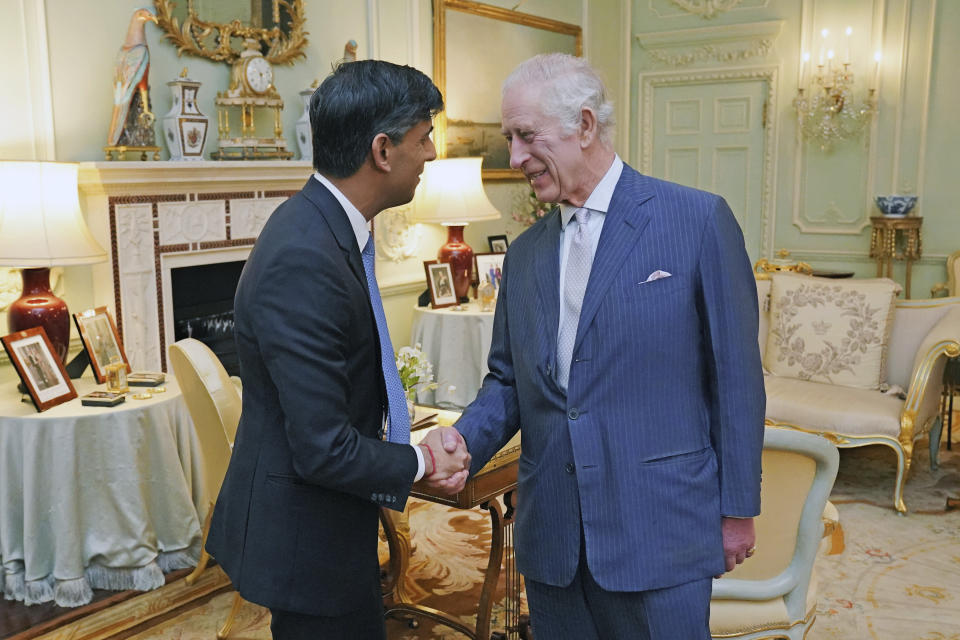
{"x": 497, "y": 526}
{"x": 907, "y": 283}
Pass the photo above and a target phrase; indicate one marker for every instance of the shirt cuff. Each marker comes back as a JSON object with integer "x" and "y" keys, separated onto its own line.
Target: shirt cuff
{"x": 420, "y": 464}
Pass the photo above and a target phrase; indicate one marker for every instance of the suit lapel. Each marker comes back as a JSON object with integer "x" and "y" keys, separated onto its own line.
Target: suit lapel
{"x": 547, "y": 251}
{"x": 624, "y": 224}
{"x": 339, "y": 224}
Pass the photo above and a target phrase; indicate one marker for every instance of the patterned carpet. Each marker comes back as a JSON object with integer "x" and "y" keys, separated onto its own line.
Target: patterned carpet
{"x": 898, "y": 577}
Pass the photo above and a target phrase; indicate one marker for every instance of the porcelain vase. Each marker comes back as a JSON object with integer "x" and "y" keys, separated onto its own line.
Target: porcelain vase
{"x": 184, "y": 127}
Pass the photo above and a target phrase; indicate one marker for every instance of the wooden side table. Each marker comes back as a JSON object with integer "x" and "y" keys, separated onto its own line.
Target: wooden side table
{"x": 890, "y": 233}
{"x": 497, "y": 478}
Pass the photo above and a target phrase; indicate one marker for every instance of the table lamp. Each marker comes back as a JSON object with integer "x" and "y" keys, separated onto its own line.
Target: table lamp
{"x": 451, "y": 193}
{"x": 41, "y": 226}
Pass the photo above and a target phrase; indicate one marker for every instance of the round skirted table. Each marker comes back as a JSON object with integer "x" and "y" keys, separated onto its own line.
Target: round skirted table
{"x": 456, "y": 342}
{"x": 96, "y": 497}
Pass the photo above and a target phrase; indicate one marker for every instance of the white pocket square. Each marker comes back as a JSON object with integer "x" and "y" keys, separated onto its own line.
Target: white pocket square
{"x": 657, "y": 275}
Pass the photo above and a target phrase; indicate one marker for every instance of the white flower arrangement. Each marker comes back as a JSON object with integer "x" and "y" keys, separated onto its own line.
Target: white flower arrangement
{"x": 416, "y": 372}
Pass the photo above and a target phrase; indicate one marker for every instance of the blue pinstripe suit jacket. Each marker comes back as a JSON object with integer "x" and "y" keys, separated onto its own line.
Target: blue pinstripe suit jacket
{"x": 661, "y": 428}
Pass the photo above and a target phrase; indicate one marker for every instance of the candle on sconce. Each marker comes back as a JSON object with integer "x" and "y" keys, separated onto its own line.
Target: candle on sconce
{"x": 823, "y": 44}
{"x": 846, "y": 54}
{"x": 830, "y": 60}
{"x": 804, "y": 59}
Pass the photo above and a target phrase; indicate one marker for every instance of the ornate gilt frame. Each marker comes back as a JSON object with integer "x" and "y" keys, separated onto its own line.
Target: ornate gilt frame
{"x": 440, "y": 8}
{"x": 282, "y": 47}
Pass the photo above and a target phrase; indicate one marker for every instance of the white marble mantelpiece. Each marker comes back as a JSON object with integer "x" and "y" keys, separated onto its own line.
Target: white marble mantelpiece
{"x": 156, "y": 216}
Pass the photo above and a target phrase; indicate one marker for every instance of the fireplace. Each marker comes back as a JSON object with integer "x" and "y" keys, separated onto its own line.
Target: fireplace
{"x": 164, "y": 222}
{"x": 203, "y": 307}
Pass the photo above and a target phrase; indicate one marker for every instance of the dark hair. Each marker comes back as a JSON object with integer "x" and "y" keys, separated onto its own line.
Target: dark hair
{"x": 360, "y": 100}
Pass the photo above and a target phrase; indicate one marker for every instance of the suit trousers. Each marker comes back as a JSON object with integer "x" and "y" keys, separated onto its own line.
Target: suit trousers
{"x": 365, "y": 623}
{"x": 583, "y": 610}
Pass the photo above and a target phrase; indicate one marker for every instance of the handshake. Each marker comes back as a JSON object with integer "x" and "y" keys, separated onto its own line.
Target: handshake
{"x": 446, "y": 460}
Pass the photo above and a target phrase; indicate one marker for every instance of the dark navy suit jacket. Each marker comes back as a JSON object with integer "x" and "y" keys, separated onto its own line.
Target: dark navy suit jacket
{"x": 295, "y": 524}
{"x": 661, "y": 428}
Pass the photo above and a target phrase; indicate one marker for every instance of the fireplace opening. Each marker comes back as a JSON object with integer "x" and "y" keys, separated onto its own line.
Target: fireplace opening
{"x": 203, "y": 307}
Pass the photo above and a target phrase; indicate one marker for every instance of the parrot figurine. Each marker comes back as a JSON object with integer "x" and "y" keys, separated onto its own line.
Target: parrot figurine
{"x": 130, "y": 86}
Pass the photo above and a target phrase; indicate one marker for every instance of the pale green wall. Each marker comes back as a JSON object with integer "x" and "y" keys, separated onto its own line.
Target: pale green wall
{"x": 912, "y": 147}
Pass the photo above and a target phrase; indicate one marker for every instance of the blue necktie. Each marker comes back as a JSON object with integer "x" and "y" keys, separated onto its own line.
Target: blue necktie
{"x": 399, "y": 418}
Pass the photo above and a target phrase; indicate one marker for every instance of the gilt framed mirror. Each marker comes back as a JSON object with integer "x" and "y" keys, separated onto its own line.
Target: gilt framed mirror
{"x": 475, "y": 47}
{"x": 216, "y": 29}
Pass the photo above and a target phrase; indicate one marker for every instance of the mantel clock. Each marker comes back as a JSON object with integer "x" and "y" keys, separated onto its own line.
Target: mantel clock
{"x": 251, "y": 90}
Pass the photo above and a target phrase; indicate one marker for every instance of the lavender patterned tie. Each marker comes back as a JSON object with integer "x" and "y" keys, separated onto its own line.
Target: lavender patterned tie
{"x": 399, "y": 418}
{"x": 579, "y": 261}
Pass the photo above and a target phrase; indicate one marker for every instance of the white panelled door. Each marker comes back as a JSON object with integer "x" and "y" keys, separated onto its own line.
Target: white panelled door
{"x": 711, "y": 136}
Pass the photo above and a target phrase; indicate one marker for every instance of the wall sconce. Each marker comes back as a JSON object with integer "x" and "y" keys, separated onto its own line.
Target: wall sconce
{"x": 827, "y": 109}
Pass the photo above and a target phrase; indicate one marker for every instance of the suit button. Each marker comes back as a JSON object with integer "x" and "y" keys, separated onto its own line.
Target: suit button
{"x": 573, "y": 414}
{"x": 569, "y": 467}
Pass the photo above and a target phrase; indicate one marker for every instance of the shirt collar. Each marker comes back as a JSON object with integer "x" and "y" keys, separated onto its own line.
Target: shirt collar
{"x": 357, "y": 221}
{"x": 599, "y": 199}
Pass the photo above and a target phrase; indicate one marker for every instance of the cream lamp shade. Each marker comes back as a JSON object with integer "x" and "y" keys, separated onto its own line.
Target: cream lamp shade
{"x": 451, "y": 192}
{"x": 41, "y": 226}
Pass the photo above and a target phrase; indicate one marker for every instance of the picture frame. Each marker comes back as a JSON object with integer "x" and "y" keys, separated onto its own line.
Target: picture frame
{"x": 465, "y": 33}
{"x": 41, "y": 372}
{"x": 498, "y": 244}
{"x": 440, "y": 284}
{"x": 101, "y": 340}
{"x": 489, "y": 266}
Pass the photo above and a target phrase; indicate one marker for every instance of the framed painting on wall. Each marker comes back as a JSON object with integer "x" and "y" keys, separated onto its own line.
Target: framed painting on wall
{"x": 475, "y": 47}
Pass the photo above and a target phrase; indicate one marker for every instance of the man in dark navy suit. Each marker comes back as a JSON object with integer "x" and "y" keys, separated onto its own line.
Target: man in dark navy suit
{"x": 625, "y": 351}
{"x": 295, "y": 524}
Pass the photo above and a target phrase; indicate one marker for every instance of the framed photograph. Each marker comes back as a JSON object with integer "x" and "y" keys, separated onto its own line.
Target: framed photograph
{"x": 440, "y": 284}
{"x": 489, "y": 268}
{"x": 101, "y": 340}
{"x": 498, "y": 244}
{"x": 42, "y": 372}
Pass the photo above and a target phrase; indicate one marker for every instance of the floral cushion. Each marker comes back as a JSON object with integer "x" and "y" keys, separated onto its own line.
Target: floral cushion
{"x": 832, "y": 331}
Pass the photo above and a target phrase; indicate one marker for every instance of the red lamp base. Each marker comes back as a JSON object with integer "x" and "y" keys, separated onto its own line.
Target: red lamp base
{"x": 38, "y": 307}
{"x": 460, "y": 256}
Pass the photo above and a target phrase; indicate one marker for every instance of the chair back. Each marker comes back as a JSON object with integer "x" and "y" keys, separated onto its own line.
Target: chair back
{"x": 798, "y": 473}
{"x": 213, "y": 402}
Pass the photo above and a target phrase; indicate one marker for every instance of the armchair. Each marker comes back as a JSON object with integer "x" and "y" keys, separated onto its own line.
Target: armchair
{"x": 774, "y": 594}
{"x": 924, "y": 334}
{"x": 214, "y": 403}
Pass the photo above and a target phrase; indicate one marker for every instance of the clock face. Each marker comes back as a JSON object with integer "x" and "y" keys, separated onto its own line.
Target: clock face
{"x": 259, "y": 74}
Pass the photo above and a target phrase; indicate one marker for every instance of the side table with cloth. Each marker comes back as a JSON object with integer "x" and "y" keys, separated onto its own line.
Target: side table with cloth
{"x": 457, "y": 344}
{"x": 96, "y": 497}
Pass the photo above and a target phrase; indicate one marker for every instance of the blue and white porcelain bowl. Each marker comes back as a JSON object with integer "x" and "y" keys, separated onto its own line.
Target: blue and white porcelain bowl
{"x": 895, "y": 206}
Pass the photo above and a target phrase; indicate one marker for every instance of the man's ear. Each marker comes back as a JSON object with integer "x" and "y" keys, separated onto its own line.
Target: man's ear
{"x": 588, "y": 127}
{"x": 380, "y": 150}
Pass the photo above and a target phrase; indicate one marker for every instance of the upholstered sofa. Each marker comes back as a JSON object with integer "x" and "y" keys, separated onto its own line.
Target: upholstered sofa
{"x": 886, "y": 357}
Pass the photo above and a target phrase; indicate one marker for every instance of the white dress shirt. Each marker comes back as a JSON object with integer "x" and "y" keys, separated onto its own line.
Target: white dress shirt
{"x": 362, "y": 232}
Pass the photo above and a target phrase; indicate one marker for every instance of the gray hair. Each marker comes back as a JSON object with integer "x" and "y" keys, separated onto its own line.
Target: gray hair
{"x": 569, "y": 85}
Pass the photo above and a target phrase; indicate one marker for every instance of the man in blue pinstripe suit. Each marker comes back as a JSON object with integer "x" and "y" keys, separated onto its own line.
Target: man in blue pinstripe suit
{"x": 625, "y": 350}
